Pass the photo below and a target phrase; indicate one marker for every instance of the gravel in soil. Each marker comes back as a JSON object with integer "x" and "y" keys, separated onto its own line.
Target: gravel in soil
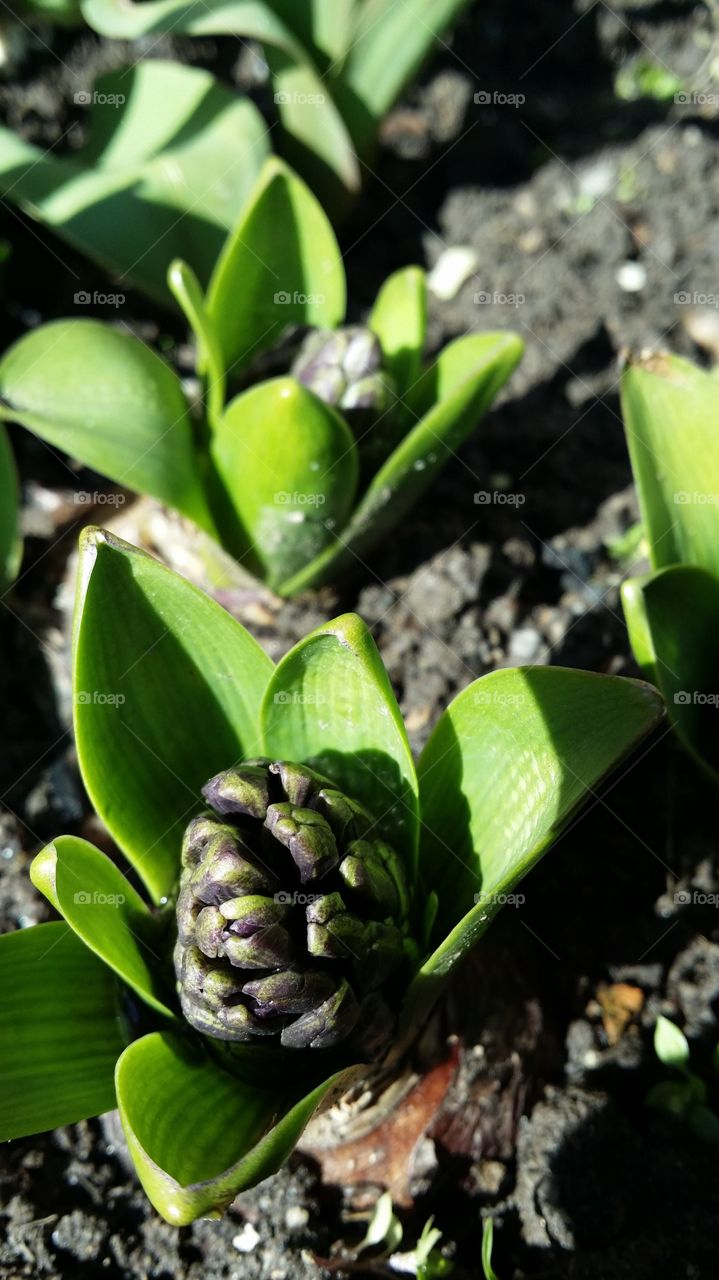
{"x": 597, "y": 217}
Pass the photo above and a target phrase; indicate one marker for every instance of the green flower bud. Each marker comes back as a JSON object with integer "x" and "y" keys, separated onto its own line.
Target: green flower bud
{"x": 291, "y": 918}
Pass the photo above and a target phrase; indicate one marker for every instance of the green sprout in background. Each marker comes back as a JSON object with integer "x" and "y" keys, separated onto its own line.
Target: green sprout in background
{"x": 347, "y": 880}
{"x": 670, "y": 415}
{"x": 684, "y": 1098}
{"x": 298, "y": 476}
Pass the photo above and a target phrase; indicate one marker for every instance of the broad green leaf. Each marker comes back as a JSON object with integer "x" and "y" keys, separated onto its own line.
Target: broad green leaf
{"x": 671, "y": 420}
{"x": 167, "y": 691}
{"x": 390, "y": 43}
{"x": 670, "y": 1043}
{"x": 171, "y": 159}
{"x": 399, "y": 318}
{"x": 316, "y": 140}
{"x": 61, "y": 1031}
{"x": 198, "y": 1135}
{"x": 10, "y": 543}
{"x": 511, "y": 760}
{"x": 280, "y": 266}
{"x": 674, "y": 617}
{"x": 288, "y": 463}
{"x": 107, "y": 914}
{"x": 104, "y": 397}
{"x": 467, "y": 377}
{"x": 330, "y": 704}
{"x": 255, "y": 19}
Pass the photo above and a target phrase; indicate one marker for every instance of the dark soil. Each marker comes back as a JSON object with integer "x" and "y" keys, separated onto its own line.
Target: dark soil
{"x": 545, "y": 1126}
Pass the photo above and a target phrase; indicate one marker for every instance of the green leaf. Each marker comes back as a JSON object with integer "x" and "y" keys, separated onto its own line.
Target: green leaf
{"x": 280, "y": 266}
{"x": 123, "y": 20}
{"x": 399, "y": 319}
{"x": 316, "y": 141}
{"x": 330, "y": 705}
{"x": 198, "y": 1135}
{"x": 507, "y": 766}
{"x": 60, "y": 1028}
{"x": 670, "y": 417}
{"x": 186, "y": 289}
{"x": 487, "y": 1244}
{"x": 670, "y": 1044}
{"x": 673, "y": 619}
{"x": 458, "y": 389}
{"x": 167, "y": 690}
{"x": 288, "y": 463}
{"x": 104, "y": 397}
{"x": 171, "y": 159}
{"x": 389, "y": 45}
{"x": 105, "y": 912}
{"x": 10, "y": 542}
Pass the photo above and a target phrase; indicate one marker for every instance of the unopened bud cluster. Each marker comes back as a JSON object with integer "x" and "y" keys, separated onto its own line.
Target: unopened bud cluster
{"x": 291, "y": 916}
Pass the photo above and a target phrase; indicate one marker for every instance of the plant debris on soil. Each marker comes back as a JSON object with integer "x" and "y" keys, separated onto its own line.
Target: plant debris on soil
{"x": 593, "y": 227}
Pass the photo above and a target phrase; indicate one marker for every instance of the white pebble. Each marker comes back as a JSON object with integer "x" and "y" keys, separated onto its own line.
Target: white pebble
{"x": 247, "y": 1240}
{"x": 451, "y": 270}
{"x": 631, "y": 277}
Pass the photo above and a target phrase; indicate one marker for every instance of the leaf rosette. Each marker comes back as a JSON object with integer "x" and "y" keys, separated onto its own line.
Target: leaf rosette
{"x": 218, "y": 1062}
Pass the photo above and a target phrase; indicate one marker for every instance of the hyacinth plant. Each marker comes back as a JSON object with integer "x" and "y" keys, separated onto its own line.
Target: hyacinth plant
{"x": 670, "y": 415}
{"x": 306, "y": 888}
{"x": 298, "y": 475}
{"x": 336, "y": 66}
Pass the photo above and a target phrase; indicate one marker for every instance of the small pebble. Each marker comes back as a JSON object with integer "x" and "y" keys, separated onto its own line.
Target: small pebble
{"x": 247, "y": 1239}
{"x": 451, "y": 270}
{"x": 631, "y": 277}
